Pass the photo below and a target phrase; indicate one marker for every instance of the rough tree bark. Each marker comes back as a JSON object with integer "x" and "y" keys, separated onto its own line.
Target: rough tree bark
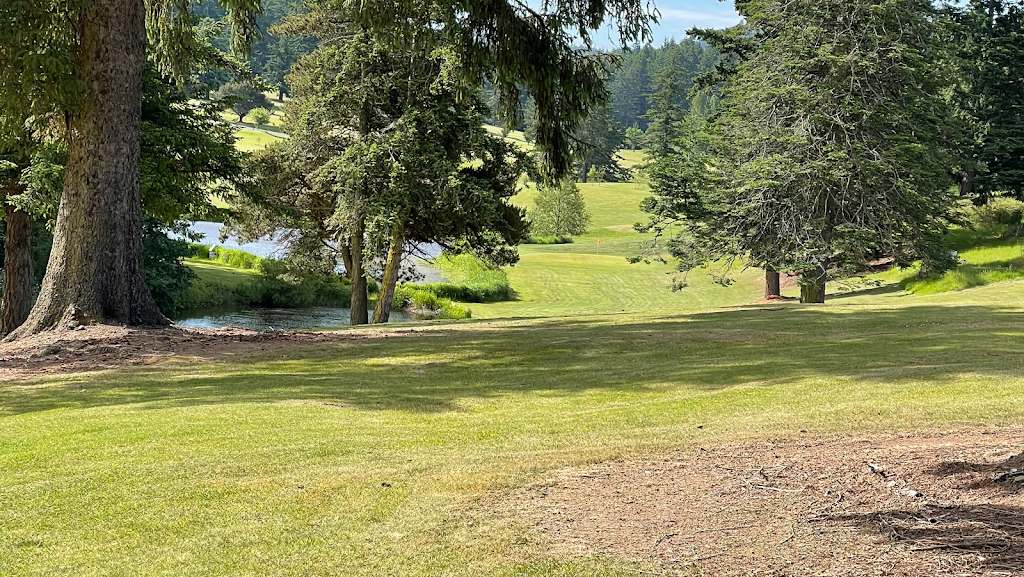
{"x": 772, "y": 283}
{"x": 95, "y": 272}
{"x": 812, "y": 289}
{"x": 359, "y": 314}
{"x": 17, "y": 289}
{"x": 382, "y": 312}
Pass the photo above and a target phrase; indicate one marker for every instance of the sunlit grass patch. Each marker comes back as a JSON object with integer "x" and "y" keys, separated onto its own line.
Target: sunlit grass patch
{"x": 368, "y": 456}
{"x": 253, "y": 140}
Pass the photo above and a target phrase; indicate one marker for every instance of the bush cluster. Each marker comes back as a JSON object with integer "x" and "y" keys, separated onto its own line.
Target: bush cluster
{"x": 275, "y": 286}
{"x": 426, "y": 303}
{"x": 549, "y": 240}
{"x": 1001, "y": 216}
{"x": 228, "y": 256}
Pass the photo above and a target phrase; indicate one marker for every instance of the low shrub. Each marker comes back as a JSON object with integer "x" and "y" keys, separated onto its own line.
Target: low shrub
{"x": 426, "y": 303}
{"x": 228, "y": 256}
{"x": 168, "y": 279}
{"x": 204, "y": 294}
{"x": 549, "y": 240}
{"x": 275, "y": 286}
{"x": 470, "y": 280}
{"x": 999, "y": 217}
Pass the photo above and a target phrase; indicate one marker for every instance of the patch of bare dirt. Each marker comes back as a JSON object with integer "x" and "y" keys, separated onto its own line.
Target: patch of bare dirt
{"x": 771, "y": 300}
{"x": 910, "y": 505}
{"x": 106, "y": 347}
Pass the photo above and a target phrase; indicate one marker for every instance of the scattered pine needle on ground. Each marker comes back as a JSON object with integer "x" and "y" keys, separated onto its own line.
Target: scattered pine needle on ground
{"x": 107, "y": 347}
{"x": 908, "y": 505}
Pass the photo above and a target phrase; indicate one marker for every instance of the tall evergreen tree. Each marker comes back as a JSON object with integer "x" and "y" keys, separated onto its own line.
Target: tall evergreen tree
{"x": 629, "y": 85}
{"x": 91, "y": 73}
{"x": 668, "y": 102}
{"x": 387, "y": 149}
{"x": 990, "y": 38}
{"x": 829, "y": 147}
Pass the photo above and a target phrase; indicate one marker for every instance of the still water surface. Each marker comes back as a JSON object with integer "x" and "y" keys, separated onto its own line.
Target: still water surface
{"x": 263, "y": 319}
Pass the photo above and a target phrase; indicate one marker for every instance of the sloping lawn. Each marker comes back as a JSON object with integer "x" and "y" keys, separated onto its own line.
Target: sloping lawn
{"x": 367, "y": 457}
{"x": 214, "y": 271}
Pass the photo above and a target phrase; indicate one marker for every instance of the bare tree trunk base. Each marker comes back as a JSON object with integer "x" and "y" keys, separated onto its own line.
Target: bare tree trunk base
{"x": 772, "y": 284}
{"x": 812, "y": 289}
{"x": 95, "y": 272}
{"x": 17, "y": 285}
{"x": 382, "y": 312}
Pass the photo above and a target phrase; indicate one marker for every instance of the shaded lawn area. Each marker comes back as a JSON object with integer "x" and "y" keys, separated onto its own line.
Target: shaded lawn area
{"x": 366, "y": 457}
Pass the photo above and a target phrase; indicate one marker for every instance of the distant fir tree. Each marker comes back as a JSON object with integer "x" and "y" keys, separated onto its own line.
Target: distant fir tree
{"x": 668, "y": 102}
{"x": 630, "y": 85}
{"x": 598, "y": 140}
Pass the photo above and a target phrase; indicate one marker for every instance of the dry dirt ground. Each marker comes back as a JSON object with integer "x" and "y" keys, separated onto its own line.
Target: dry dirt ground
{"x": 107, "y": 347}
{"x": 896, "y": 505}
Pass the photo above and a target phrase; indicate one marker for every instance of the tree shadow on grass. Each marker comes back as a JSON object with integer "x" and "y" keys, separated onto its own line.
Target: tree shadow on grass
{"x": 436, "y": 370}
{"x": 991, "y": 535}
{"x": 887, "y": 289}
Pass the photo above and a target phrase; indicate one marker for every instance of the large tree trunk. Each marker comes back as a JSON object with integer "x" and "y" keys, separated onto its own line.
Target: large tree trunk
{"x": 392, "y": 268}
{"x": 772, "y": 283}
{"x": 359, "y": 313}
{"x": 812, "y": 289}
{"x": 17, "y": 290}
{"x": 95, "y": 270}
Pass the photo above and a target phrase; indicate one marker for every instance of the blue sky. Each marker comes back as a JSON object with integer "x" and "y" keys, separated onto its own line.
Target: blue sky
{"x": 678, "y": 16}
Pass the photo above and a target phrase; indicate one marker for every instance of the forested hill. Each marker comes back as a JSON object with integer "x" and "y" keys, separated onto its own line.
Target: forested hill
{"x": 641, "y": 75}
{"x": 273, "y": 56}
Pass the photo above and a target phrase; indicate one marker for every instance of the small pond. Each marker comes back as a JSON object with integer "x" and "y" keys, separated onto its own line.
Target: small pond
{"x": 263, "y": 319}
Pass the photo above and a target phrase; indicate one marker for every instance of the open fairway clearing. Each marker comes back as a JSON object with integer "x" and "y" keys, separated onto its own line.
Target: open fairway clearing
{"x": 592, "y": 274}
{"x": 561, "y": 282}
{"x": 253, "y": 140}
{"x": 909, "y": 505}
{"x": 370, "y": 456}
{"x": 213, "y": 271}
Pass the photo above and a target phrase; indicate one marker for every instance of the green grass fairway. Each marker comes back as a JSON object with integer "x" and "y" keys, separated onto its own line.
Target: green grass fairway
{"x": 213, "y": 271}
{"x": 592, "y": 276}
{"x": 551, "y": 283}
{"x": 631, "y": 158}
{"x": 367, "y": 458}
{"x": 614, "y": 208}
{"x": 253, "y": 140}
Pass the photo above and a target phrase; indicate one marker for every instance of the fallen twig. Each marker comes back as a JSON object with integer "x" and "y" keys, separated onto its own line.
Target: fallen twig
{"x": 779, "y": 489}
{"x": 721, "y": 529}
{"x": 662, "y": 538}
{"x": 792, "y": 535}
